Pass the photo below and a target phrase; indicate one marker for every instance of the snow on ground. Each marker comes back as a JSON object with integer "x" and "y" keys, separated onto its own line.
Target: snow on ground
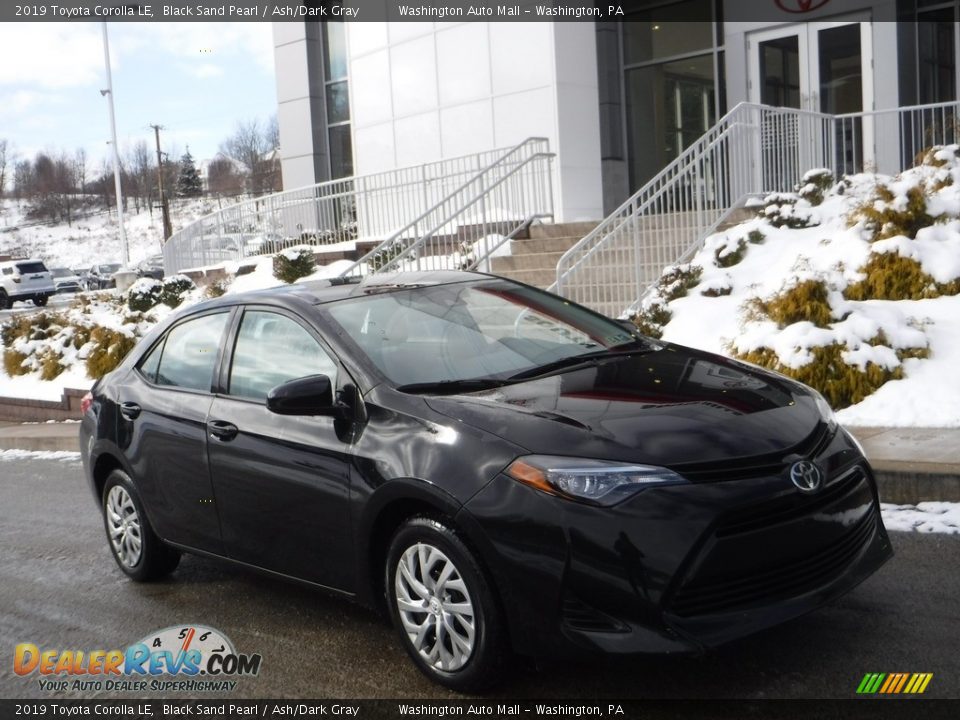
{"x": 925, "y": 517}
{"x": 61, "y": 455}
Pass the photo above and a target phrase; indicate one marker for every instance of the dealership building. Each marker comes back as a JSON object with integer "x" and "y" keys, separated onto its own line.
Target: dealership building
{"x": 616, "y": 100}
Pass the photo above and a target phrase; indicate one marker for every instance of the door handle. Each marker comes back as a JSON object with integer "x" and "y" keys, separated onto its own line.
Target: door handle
{"x": 222, "y": 430}
{"x": 130, "y": 410}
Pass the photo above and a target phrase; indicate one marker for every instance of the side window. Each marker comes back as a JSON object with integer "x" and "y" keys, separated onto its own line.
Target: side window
{"x": 148, "y": 366}
{"x": 272, "y": 349}
{"x": 190, "y": 353}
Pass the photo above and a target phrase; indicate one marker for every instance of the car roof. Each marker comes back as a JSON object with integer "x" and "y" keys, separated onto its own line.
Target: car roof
{"x": 317, "y": 292}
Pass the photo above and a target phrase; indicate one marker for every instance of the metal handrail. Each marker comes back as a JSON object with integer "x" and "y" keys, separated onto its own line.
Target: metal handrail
{"x": 509, "y": 225}
{"x": 752, "y": 150}
{"x": 348, "y": 209}
{"x": 535, "y": 145}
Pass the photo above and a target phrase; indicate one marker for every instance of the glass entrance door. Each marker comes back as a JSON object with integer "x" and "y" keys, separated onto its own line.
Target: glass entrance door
{"x": 822, "y": 67}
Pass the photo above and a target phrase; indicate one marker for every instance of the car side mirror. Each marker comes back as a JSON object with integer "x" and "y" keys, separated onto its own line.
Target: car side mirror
{"x": 311, "y": 395}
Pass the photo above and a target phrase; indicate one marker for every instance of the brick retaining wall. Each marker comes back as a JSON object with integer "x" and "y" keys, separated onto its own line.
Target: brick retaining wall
{"x": 29, "y": 410}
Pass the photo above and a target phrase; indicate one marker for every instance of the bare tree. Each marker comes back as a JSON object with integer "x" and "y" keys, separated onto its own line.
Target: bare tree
{"x": 252, "y": 144}
{"x": 223, "y": 178}
{"x": 80, "y": 168}
{"x": 4, "y": 159}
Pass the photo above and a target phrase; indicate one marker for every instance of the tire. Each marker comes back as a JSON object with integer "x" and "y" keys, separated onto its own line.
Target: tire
{"x": 5, "y": 302}
{"x": 40, "y": 300}
{"x": 437, "y": 639}
{"x": 126, "y": 524}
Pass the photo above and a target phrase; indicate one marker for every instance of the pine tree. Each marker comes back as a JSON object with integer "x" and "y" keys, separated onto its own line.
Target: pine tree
{"x": 188, "y": 183}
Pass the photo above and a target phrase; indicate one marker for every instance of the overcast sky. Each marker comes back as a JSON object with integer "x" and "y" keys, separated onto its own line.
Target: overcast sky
{"x": 197, "y": 79}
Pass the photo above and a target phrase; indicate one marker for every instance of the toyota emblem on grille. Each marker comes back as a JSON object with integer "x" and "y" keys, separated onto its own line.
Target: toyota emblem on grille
{"x": 806, "y": 476}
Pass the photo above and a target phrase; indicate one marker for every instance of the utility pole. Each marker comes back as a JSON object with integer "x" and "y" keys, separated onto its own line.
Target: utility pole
{"x": 125, "y": 250}
{"x": 164, "y": 206}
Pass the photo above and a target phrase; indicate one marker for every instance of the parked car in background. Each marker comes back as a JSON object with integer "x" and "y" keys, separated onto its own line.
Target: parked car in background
{"x": 66, "y": 280}
{"x": 100, "y": 277}
{"x": 152, "y": 267}
{"x": 497, "y": 468}
{"x": 26, "y": 279}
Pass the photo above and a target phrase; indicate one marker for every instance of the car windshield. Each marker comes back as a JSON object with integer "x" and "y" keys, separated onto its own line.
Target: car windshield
{"x": 60, "y": 272}
{"x": 489, "y": 331}
{"x": 111, "y": 268}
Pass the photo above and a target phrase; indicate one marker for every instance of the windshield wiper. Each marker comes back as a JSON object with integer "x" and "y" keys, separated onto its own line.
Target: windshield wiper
{"x": 453, "y": 386}
{"x": 571, "y": 361}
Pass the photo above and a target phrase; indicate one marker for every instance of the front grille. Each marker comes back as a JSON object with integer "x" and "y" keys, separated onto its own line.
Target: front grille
{"x": 788, "y": 507}
{"x": 784, "y": 581}
{"x": 811, "y": 446}
{"x": 580, "y": 616}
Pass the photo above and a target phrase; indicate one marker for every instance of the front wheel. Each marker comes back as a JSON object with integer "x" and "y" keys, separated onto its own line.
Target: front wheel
{"x": 40, "y": 300}
{"x": 135, "y": 546}
{"x": 5, "y": 302}
{"x": 443, "y": 606}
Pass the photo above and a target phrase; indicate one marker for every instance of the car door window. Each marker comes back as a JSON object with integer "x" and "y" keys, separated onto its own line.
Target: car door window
{"x": 272, "y": 349}
{"x": 190, "y": 353}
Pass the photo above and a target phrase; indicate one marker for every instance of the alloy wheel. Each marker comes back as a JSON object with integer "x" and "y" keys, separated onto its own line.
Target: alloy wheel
{"x": 435, "y": 607}
{"x": 123, "y": 526}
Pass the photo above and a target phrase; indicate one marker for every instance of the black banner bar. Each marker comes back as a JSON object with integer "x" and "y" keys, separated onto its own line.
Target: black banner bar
{"x": 485, "y": 708}
{"x": 430, "y": 10}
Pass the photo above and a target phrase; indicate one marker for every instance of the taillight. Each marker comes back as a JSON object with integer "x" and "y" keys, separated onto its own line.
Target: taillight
{"x": 86, "y": 402}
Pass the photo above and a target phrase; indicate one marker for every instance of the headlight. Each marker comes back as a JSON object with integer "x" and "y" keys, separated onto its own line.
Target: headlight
{"x": 595, "y": 481}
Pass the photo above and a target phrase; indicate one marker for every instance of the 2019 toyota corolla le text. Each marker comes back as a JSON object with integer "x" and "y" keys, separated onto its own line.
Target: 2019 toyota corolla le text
{"x": 499, "y": 469}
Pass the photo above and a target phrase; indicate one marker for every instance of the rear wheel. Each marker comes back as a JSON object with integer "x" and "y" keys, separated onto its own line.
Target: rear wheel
{"x": 40, "y": 300}
{"x": 135, "y": 546}
{"x": 443, "y": 606}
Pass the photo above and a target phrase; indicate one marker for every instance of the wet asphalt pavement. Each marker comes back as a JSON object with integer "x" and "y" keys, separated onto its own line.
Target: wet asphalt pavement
{"x": 60, "y": 588}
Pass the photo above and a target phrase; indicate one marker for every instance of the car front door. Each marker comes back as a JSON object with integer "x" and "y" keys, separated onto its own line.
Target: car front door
{"x": 281, "y": 482}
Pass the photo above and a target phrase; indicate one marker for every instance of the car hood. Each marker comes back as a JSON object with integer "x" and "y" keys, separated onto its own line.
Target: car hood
{"x": 670, "y": 407}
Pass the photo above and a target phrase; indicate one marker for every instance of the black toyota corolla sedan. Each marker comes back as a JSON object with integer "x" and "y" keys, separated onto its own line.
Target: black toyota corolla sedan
{"x": 499, "y": 469}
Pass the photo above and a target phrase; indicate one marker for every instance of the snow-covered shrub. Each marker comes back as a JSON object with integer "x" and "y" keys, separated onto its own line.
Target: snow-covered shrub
{"x": 887, "y": 214}
{"x": 787, "y": 210}
{"x": 651, "y": 318}
{"x": 891, "y": 276}
{"x": 215, "y": 289}
{"x": 174, "y": 288}
{"x": 144, "y": 294}
{"x": 292, "y": 264}
{"x": 829, "y": 370}
{"x": 814, "y": 185}
{"x": 13, "y": 362}
{"x": 730, "y": 253}
{"x": 804, "y": 301}
{"x": 382, "y": 257}
{"x": 108, "y": 348}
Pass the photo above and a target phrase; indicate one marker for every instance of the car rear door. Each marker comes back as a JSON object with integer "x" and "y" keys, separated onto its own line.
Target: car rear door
{"x": 281, "y": 482}
{"x": 163, "y": 410}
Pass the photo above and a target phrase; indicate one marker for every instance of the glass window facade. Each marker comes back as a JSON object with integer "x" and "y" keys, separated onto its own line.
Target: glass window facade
{"x": 672, "y": 82}
{"x": 337, "y": 97}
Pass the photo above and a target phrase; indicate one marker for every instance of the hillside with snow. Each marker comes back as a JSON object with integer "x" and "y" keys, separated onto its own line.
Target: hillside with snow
{"x": 852, "y": 286}
{"x": 92, "y": 237}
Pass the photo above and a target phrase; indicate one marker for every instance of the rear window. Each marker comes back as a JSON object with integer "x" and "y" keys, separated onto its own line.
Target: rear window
{"x": 26, "y": 268}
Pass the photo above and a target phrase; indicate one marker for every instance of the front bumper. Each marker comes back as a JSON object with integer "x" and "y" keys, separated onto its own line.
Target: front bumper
{"x": 680, "y": 568}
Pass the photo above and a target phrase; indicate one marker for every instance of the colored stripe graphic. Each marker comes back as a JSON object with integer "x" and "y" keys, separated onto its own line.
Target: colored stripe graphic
{"x": 894, "y": 683}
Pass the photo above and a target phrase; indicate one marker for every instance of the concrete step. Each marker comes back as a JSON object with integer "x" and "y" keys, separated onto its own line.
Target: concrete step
{"x": 555, "y": 230}
{"x": 544, "y": 245}
{"x": 526, "y": 261}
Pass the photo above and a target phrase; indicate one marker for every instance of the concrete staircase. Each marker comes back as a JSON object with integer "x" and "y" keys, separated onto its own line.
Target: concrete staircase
{"x": 534, "y": 258}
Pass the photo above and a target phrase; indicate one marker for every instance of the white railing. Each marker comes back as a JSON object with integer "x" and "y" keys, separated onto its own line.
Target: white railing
{"x": 464, "y": 228}
{"x": 751, "y": 151}
{"x": 366, "y": 207}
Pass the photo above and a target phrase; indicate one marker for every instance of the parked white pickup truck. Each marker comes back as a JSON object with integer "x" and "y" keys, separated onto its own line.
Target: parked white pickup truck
{"x": 25, "y": 280}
